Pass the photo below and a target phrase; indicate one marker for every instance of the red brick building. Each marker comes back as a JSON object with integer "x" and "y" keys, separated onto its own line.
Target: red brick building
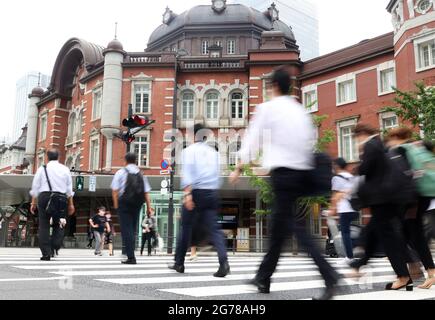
{"x": 231, "y": 51}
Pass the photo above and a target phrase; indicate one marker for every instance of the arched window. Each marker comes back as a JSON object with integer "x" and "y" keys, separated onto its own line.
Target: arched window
{"x": 188, "y": 103}
{"x": 77, "y": 163}
{"x": 69, "y": 162}
{"x": 79, "y": 126}
{"x": 212, "y": 106}
{"x": 237, "y": 111}
{"x": 233, "y": 149}
{"x": 71, "y": 127}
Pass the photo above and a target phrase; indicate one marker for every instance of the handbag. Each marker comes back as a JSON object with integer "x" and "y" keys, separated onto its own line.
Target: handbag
{"x": 320, "y": 177}
{"x": 57, "y": 202}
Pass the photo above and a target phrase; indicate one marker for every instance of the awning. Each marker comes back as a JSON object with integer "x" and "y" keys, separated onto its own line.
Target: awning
{"x": 14, "y": 189}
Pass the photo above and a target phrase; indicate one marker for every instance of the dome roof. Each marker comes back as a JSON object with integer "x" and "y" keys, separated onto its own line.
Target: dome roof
{"x": 37, "y": 91}
{"x": 115, "y": 45}
{"x": 233, "y": 14}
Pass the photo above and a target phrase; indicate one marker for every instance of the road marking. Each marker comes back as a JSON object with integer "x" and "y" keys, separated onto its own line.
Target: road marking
{"x": 32, "y": 279}
{"x": 167, "y": 271}
{"x": 417, "y": 294}
{"x": 213, "y": 291}
{"x": 181, "y": 279}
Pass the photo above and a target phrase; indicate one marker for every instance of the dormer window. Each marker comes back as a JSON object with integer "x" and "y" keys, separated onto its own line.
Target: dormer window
{"x": 423, "y": 6}
{"x": 215, "y": 51}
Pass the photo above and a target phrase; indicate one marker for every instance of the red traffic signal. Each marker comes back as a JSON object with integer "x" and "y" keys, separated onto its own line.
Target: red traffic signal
{"x": 135, "y": 121}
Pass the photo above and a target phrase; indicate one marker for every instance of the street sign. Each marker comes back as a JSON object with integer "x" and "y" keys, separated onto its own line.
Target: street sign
{"x": 163, "y": 191}
{"x": 80, "y": 183}
{"x": 164, "y": 165}
{"x": 92, "y": 184}
{"x": 164, "y": 172}
{"x": 164, "y": 184}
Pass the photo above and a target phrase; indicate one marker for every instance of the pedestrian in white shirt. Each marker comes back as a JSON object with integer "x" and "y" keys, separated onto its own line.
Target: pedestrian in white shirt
{"x": 130, "y": 189}
{"x": 52, "y": 194}
{"x": 200, "y": 182}
{"x": 342, "y": 185}
{"x": 283, "y": 133}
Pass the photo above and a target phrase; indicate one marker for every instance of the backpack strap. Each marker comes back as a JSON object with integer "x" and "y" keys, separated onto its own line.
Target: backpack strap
{"x": 342, "y": 177}
{"x": 46, "y": 175}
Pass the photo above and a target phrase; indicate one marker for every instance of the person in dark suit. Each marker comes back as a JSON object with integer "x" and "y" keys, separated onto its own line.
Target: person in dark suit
{"x": 385, "y": 213}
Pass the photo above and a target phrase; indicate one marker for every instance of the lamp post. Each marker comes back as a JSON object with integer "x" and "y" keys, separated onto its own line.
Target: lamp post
{"x": 179, "y": 53}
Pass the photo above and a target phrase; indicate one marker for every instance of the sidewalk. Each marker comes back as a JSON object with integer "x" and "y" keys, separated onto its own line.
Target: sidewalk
{"x": 90, "y": 252}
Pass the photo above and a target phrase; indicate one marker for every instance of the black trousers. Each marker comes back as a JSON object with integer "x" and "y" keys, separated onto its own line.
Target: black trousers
{"x": 386, "y": 226}
{"x": 129, "y": 217}
{"x": 203, "y": 221}
{"x": 415, "y": 235}
{"x": 148, "y": 236}
{"x": 286, "y": 185}
{"x": 46, "y": 243}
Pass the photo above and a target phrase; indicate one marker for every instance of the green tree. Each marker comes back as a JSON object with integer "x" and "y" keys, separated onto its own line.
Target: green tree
{"x": 417, "y": 107}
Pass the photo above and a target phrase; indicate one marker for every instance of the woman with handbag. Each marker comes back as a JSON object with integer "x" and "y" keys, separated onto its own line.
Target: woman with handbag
{"x": 148, "y": 232}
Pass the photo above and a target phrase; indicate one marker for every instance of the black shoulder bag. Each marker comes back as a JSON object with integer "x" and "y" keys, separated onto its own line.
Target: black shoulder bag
{"x": 57, "y": 203}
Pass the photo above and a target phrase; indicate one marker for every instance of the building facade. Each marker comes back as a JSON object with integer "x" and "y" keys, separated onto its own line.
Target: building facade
{"x": 12, "y": 156}
{"x": 24, "y": 87}
{"x": 230, "y": 52}
{"x": 301, "y": 15}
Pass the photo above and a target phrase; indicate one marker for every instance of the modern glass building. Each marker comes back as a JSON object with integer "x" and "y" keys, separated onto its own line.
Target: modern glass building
{"x": 301, "y": 15}
{"x": 24, "y": 87}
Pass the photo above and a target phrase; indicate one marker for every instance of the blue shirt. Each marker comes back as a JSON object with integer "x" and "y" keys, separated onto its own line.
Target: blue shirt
{"x": 120, "y": 179}
{"x": 200, "y": 167}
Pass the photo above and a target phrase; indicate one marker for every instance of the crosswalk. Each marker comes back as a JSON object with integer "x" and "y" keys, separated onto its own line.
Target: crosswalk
{"x": 296, "y": 278}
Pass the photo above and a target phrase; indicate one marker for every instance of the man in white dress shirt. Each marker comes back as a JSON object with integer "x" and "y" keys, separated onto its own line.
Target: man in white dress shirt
{"x": 284, "y": 133}
{"x": 200, "y": 182}
{"x": 54, "y": 182}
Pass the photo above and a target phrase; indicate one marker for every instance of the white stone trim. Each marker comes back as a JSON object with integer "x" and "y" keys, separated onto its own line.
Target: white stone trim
{"x": 382, "y": 67}
{"x": 164, "y": 79}
{"x": 141, "y": 79}
{"x": 345, "y": 78}
{"x": 425, "y": 37}
{"x": 310, "y": 88}
{"x": 414, "y": 23}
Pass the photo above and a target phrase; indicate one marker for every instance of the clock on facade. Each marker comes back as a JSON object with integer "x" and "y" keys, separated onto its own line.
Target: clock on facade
{"x": 219, "y": 5}
{"x": 167, "y": 16}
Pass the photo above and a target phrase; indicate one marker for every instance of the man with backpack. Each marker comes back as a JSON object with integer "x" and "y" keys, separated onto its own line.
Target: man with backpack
{"x": 130, "y": 189}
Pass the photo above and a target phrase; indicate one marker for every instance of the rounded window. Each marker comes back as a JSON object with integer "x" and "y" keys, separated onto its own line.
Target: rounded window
{"x": 423, "y": 6}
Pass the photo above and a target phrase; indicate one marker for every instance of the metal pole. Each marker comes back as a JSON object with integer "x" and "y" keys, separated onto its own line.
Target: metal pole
{"x": 171, "y": 187}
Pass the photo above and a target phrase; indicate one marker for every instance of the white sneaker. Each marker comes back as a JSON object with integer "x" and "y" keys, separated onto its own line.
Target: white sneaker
{"x": 344, "y": 262}
{"x": 193, "y": 258}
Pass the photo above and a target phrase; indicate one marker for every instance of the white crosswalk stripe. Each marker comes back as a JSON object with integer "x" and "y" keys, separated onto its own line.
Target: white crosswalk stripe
{"x": 295, "y": 276}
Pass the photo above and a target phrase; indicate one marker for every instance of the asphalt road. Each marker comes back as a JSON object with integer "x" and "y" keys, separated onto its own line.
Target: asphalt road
{"x": 79, "y": 275}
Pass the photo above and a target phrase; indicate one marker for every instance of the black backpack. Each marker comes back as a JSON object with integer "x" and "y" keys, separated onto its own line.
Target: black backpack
{"x": 134, "y": 189}
{"x": 399, "y": 182}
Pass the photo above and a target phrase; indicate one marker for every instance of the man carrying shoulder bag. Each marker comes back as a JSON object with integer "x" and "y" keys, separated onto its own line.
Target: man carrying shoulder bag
{"x": 52, "y": 194}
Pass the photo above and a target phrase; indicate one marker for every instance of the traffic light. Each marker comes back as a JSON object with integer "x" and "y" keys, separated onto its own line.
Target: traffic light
{"x": 128, "y": 137}
{"x": 80, "y": 183}
{"x": 135, "y": 122}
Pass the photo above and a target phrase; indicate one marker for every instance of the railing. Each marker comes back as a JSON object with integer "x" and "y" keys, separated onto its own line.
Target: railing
{"x": 145, "y": 58}
{"x": 212, "y": 64}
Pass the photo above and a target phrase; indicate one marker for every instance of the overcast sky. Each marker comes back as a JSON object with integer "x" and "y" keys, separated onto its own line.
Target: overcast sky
{"x": 33, "y": 31}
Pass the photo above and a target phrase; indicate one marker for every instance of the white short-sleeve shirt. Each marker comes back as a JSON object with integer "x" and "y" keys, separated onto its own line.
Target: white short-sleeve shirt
{"x": 344, "y": 182}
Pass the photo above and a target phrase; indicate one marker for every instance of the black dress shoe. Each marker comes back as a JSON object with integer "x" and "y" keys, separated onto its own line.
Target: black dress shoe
{"x": 328, "y": 294}
{"x": 262, "y": 286}
{"x": 223, "y": 270}
{"x": 46, "y": 258}
{"x": 176, "y": 267}
{"x": 129, "y": 261}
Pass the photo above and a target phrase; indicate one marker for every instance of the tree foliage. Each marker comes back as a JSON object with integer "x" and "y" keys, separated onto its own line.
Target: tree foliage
{"x": 417, "y": 107}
